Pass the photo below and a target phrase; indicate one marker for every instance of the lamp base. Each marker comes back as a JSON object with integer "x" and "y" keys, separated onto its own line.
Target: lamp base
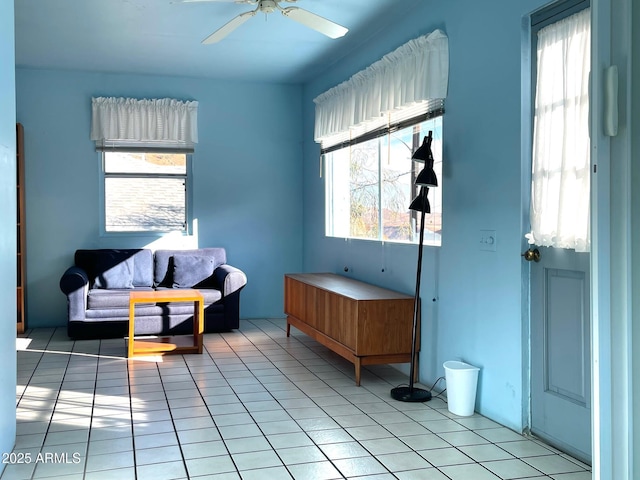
{"x": 408, "y": 394}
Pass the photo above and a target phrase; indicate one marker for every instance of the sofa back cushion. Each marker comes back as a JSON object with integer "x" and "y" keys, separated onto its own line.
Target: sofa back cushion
{"x": 113, "y": 271}
{"x": 194, "y": 268}
{"x": 117, "y": 268}
{"x": 192, "y": 271}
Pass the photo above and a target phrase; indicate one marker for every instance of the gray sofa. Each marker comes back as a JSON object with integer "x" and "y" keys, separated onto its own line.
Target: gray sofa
{"x": 98, "y": 285}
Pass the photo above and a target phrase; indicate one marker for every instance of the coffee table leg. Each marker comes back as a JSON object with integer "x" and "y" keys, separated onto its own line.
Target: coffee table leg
{"x": 198, "y": 323}
{"x": 130, "y": 342}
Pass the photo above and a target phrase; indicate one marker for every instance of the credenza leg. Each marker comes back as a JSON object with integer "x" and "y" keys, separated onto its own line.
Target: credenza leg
{"x": 358, "y": 365}
{"x": 288, "y": 328}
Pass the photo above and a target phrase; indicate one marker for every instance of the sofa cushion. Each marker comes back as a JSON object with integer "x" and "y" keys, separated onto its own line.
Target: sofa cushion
{"x": 142, "y": 263}
{"x": 163, "y": 262}
{"x": 192, "y": 271}
{"x": 113, "y": 271}
{"x": 211, "y": 295}
{"x": 100, "y": 299}
{"x": 143, "y": 271}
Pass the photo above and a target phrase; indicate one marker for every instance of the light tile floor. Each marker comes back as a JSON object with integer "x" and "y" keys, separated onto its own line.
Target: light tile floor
{"x": 254, "y": 405}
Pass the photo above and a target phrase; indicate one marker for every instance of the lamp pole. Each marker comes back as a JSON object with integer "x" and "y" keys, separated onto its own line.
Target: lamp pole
{"x": 416, "y": 299}
{"x": 425, "y": 179}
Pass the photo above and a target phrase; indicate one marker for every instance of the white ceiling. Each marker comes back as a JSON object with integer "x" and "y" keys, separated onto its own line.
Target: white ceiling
{"x": 164, "y": 37}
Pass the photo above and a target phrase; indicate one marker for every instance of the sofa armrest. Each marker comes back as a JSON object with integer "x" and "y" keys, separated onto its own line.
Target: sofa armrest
{"x": 74, "y": 283}
{"x": 229, "y": 279}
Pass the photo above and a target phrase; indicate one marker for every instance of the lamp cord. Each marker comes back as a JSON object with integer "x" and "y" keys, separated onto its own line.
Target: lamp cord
{"x": 433, "y": 386}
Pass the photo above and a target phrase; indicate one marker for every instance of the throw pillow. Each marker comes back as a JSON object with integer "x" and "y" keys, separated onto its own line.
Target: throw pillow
{"x": 114, "y": 271}
{"x": 191, "y": 270}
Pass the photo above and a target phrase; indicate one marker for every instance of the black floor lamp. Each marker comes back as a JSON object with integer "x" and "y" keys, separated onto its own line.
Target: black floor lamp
{"x": 426, "y": 178}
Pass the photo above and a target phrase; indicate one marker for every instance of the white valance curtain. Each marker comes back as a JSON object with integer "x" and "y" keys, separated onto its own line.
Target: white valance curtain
{"x": 162, "y": 120}
{"x": 560, "y": 203}
{"x": 414, "y": 73}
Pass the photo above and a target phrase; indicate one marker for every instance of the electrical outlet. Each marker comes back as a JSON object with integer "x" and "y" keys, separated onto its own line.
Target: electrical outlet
{"x": 488, "y": 240}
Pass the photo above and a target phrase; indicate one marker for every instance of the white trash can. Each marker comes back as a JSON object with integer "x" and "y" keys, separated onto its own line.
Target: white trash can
{"x": 462, "y": 382}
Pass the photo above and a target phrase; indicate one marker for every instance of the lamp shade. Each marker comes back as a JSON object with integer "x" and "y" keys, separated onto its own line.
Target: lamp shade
{"x": 423, "y": 153}
{"x": 421, "y": 202}
{"x": 427, "y": 178}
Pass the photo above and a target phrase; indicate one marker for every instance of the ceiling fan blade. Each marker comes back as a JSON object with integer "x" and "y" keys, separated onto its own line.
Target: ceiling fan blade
{"x": 228, "y": 27}
{"x": 311, "y": 20}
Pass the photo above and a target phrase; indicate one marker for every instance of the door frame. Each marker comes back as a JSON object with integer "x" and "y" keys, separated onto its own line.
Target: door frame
{"x": 611, "y": 222}
{"x": 611, "y": 334}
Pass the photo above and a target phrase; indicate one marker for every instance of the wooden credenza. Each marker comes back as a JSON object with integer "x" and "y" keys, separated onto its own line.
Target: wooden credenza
{"x": 365, "y": 324}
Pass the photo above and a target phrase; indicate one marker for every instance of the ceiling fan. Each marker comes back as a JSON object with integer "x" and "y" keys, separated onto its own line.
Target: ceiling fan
{"x": 306, "y": 18}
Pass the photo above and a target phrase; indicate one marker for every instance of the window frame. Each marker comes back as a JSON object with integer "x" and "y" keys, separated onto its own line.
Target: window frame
{"x": 187, "y": 177}
{"x": 415, "y": 168}
{"x": 554, "y": 13}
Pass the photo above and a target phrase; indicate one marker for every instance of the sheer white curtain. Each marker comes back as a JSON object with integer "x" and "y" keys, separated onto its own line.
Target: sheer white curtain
{"x": 561, "y": 148}
{"x": 413, "y": 74}
{"x": 153, "y": 120}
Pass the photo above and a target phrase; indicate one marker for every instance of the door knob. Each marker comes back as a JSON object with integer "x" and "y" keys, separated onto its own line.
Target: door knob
{"x": 532, "y": 254}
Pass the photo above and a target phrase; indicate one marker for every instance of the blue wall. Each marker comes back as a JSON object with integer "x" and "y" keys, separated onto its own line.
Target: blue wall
{"x": 478, "y": 313}
{"x": 257, "y": 190}
{"x": 7, "y": 231}
{"x": 246, "y": 170}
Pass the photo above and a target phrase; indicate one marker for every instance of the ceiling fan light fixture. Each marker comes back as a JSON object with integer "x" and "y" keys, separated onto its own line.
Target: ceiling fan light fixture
{"x": 267, "y": 6}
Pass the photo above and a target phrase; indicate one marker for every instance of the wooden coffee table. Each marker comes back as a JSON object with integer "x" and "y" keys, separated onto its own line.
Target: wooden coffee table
{"x": 177, "y": 344}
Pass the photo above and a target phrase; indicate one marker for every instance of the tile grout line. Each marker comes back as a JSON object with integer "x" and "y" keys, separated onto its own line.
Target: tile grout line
{"x": 184, "y": 460}
{"x": 258, "y": 347}
{"x": 132, "y": 422}
{"x": 341, "y": 427}
{"x": 377, "y": 424}
{"x": 277, "y": 401}
{"x": 55, "y": 401}
{"x": 93, "y": 403}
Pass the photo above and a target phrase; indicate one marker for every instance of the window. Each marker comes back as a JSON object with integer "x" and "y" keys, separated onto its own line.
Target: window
{"x": 370, "y": 184}
{"x": 146, "y": 146}
{"x": 560, "y": 187}
{"x": 369, "y": 126}
{"x": 145, "y": 191}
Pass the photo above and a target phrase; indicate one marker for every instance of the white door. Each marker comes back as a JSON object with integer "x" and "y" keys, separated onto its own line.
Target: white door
{"x": 561, "y": 351}
{"x": 560, "y": 276}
